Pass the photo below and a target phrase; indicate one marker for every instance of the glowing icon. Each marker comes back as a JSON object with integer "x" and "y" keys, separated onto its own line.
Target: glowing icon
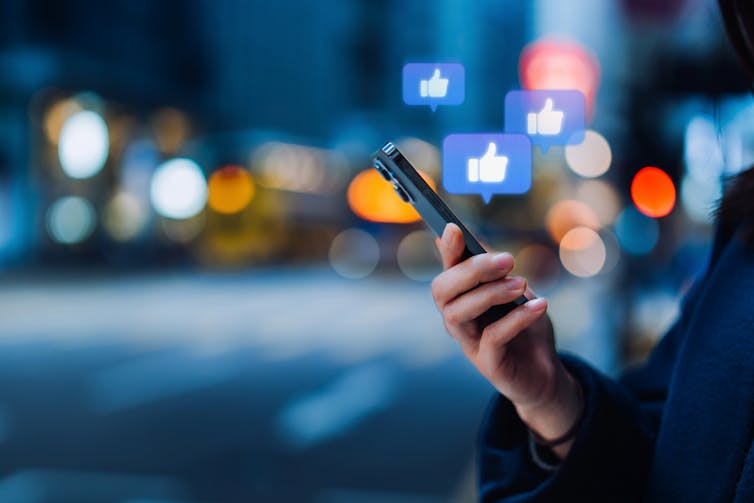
{"x": 486, "y": 164}
{"x": 433, "y": 84}
{"x": 435, "y": 87}
{"x": 549, "y": 117}
{"x": 489, "y": 168}
{"x": 546, "y": 122}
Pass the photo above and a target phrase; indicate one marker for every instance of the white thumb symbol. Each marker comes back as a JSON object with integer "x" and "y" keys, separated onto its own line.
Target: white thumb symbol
{"x": 436, "y": 74}
{"x": 491, "y": 150}
{"x": 548, "y": 105}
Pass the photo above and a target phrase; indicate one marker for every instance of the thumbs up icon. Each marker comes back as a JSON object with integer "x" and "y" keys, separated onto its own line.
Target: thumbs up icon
{"x": 547, "y": 122}
{"x": 490, "y": 168}
{"x": 434, "y": 87}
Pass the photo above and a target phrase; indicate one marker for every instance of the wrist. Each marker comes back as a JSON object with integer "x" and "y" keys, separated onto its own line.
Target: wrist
{"x": 556, "y": 415}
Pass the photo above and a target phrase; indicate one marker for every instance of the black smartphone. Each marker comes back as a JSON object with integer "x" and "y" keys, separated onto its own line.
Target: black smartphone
{"x": 412, "y": 188}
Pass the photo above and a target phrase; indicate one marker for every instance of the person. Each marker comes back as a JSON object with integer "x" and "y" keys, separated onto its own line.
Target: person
{"x": 679, "y": 428}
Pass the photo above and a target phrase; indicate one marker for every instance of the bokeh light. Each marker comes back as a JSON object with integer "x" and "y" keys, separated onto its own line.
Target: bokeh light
{"x": 560, "y": 64}
{"x": 702, "y": 151}
{"x": 231, "y": 189}
{"x": 539, "y": 265}
{"x": 178, "y": 189}
{"x": 653, "y": 192}
{"x": 417, "y": 256}
{"x": 372, "y": 198}
{"x": 83, "y": 144}
{"x": 299, "y": 168}
{"x": 700, "y": 197}
{"x": 185, "y": 230}
{"x": 70, "y": 220}
{"x": 125, "y": 216}
{"x": 56, "y": 116}
{"x": 422, "y": 155}
{"x": 354, "y": 254}
{"x": 601, "y": 197}
{"x": 171, "y": 129}
{"x": 636, "y": 232}
{"x": 590, "y": 158}
{"x": 582, "y": 252}
{"x": 568, "y": 214}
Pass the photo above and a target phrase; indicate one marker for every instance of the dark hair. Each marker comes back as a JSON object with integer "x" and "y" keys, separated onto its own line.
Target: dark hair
{"x": 736, "y": 210}
{"x": 735, "y": 214}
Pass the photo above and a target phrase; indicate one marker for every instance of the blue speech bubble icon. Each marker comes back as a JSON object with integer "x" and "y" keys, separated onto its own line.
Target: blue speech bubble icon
{"x": 433, "y": 84}
{"x": 548, "y": 117}
{"x": 486, "y": 164}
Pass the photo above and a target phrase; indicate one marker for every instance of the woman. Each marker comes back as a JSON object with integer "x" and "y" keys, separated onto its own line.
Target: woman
{"x": 680, "y": 428}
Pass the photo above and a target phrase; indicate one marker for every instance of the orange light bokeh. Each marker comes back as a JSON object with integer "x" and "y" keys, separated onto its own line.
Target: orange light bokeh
{"x": 568, "y": 214}
{"x": 231, "y": 189}
{"x": 372, "y": 198}
{"x": 556, "y": 64}
{"x": 653, "y": 192}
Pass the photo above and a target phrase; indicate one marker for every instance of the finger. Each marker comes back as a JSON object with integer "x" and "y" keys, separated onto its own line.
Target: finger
{"x": 500, "y": 333}
{"x": 471, "y": 272}
{"x": 451, "y": 245}
{"x": 473, "y": 304}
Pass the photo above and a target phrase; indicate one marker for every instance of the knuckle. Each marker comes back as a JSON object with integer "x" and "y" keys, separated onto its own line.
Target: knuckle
{"x": 449, "y": 315}
{"x": 437, "y": 289}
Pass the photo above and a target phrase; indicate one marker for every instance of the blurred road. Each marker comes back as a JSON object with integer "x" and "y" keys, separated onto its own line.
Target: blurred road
{"x": 279, "y": 385}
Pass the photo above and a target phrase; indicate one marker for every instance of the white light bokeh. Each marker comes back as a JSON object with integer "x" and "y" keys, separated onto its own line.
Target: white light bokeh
{"x": 354, "y": 254}
{"x": 417, "y": 256}
{"x": 590, "y": 158}
{"x": 582, "y": 252}
{"x": 601, "y": 197}
{"x": 125, "y": 216}
{"x": 699, "y": 197}
{"x": 178, "y": 189}
{"x": 83, "y": 144}
{"x": 702, "y": 150}
{"x": 70, "y": 220}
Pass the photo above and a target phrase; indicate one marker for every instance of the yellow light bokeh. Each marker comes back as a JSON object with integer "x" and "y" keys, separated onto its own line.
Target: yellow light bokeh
{"x": 56, "y": 115}
{"x": 372, "y": 198}
{"x": 231, "y": 189}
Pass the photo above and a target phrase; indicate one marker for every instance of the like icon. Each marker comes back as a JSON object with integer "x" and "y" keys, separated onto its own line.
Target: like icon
{"x": 486, "y": 164}
{"x": 490, "y": 168}
{"x": 547, "y": 122}
{"x": 433, "y": 84}
{"x": 548, "y": 117}
{"x": 435, "y": 87}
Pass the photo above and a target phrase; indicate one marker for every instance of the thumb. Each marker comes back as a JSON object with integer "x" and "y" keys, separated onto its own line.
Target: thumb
{"x": 491, "y": 150}
{"x": 436, "y": 74}
{"x": 548, "y": 105}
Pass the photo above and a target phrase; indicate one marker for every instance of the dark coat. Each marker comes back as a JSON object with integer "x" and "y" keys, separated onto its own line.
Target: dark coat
{"x": 679, "y": 428}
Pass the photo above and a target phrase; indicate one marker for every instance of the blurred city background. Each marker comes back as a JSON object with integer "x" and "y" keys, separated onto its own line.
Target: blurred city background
{"x": 207, "y": 294}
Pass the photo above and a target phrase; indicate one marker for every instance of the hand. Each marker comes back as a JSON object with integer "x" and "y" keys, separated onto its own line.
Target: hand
{"x": 515, "y": 353}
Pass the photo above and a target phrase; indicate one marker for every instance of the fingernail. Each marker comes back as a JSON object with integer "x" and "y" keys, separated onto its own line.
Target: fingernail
{"x": 537, "y": 304}
{"x": 502, "y": 260}
{"x": 445, "y": 234}
{"x": 515, "y": 282}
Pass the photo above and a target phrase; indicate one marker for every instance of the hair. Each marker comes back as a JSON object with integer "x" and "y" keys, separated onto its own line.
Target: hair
{"x": 735, "y": 213}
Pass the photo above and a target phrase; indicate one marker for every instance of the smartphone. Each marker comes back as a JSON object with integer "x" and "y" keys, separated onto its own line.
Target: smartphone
{"x": 412, "y": 188}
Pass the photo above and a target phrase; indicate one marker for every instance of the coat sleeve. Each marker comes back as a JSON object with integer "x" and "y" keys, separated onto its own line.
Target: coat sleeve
{"x": 612, "y": 452}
